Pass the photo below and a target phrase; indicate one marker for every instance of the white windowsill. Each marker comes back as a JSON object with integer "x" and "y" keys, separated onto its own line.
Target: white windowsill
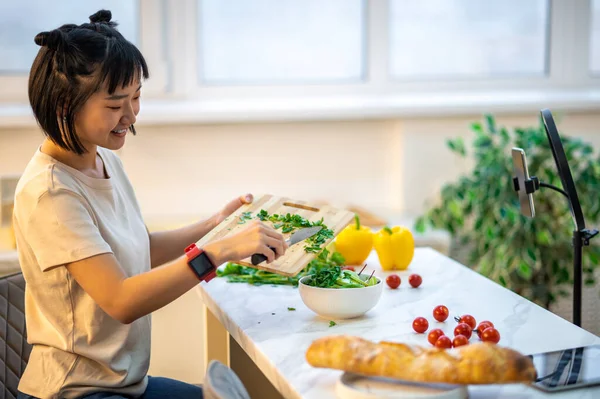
{"x": 341, "y": 107}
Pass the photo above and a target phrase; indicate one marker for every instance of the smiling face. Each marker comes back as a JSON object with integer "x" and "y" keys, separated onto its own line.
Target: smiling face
{"x": 105, "y": 119}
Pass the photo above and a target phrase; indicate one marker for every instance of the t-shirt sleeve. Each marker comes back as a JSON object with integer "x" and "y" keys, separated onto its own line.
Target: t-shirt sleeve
{"x": 61, "y": 229}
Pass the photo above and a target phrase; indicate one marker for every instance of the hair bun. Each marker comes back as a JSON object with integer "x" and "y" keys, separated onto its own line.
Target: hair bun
{"x": 101, "y": 16}
{"x": 52, "y": 39}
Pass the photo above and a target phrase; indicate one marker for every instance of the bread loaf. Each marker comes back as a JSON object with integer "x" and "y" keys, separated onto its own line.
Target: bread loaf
{"x": 476, "y": 363}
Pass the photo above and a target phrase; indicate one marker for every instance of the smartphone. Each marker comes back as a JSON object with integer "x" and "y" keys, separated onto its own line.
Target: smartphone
{"x": 567, "y": 369}
{"x": 522, "y": 174}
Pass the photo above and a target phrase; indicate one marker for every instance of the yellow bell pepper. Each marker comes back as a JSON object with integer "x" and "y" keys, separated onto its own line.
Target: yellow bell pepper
{"x": 355, "y": 243}
{"x": 395, "y": 247}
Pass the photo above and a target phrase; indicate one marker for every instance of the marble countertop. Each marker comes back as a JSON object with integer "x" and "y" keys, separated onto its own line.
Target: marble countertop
{"x": 276, "y": 339}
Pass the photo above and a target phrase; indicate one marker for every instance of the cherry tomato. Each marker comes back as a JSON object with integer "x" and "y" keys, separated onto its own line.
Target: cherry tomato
{"x": 489, "y": 323}
{"x": 463, "y": 329}
{"x": 420, "y": 324}
{"x": 470, "y": 320}
{"x": 440, "y": 313}
{"x": 443, "y": 342}
{"x": 460, "y": 340}
{"x": 433, "y": 335}
{"x": 415, "y": 280}
{"x": 393, "y": 280}
{"x": 490, "y": 334}
{"x": 482, "y": 326}
{"x": 348, "y": 268}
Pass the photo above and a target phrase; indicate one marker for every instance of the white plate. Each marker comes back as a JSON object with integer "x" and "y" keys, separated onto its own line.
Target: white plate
{"x": 353, "y": 386}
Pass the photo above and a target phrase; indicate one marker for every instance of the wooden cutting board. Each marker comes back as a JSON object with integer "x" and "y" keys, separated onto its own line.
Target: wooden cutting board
{"x": 367, "y": 218}
{"x": 295, "y": 258}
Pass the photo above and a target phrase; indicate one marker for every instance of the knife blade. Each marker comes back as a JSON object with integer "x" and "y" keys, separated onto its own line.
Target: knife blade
{"x": 296, "y": 237}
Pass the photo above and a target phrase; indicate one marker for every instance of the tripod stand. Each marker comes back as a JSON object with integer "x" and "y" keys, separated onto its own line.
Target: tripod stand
{"x": 581, "y": 235}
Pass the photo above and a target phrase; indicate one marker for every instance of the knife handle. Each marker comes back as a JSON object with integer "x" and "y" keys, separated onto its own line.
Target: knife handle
{"x": 259, "y": 258}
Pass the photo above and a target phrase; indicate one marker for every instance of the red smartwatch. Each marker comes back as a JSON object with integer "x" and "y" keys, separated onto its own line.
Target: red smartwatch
{"x": 200, "y": 263}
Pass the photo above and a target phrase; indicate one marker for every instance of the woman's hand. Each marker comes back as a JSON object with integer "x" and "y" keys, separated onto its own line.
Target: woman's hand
{"x": 168, "y": 245}
{"x": 231, "y": 207}
{"x": 256, "y": 238}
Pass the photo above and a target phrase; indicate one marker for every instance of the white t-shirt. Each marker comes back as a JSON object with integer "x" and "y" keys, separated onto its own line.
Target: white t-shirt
{"x": 60, "y": 216}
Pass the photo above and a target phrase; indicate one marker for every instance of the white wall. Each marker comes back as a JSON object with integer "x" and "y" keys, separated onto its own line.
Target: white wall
{"x": 393, "y": 165}
{"x": 208, "y": 165}
{"x": 182, "y": 172}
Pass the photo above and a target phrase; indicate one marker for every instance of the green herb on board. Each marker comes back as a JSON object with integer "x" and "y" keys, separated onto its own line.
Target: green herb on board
{"x": 245, "y": 216}
{"x": 236, "y": 273}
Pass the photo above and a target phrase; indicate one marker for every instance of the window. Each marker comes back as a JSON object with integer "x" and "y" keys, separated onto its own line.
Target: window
{"x": 268, "y": 41}
{"x": 595, "y": 38}
{"x": 472, "y": 38}
{"x": 217, "y": 57}
{"x": 21, "y": 20}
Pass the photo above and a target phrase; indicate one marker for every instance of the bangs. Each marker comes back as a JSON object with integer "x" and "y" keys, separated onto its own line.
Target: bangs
{"x": 124, "y": 65}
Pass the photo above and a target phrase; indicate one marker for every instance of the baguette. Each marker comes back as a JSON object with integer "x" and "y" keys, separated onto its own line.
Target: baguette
{"x": 477, "y": 363}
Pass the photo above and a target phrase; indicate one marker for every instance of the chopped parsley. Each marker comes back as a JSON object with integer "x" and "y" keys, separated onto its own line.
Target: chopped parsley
{"x": 245, "y": 216}
{"x": 288, "y": 223}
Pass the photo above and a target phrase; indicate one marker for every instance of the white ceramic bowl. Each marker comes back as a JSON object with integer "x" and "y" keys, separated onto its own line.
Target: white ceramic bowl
{"x": 340, "y": 303}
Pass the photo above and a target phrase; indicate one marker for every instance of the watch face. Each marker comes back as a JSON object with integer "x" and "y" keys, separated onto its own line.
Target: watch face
{"x": 201, "y": 265}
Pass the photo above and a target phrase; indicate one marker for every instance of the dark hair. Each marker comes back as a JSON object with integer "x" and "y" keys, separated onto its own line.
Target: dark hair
{"x": 75, "y": 61}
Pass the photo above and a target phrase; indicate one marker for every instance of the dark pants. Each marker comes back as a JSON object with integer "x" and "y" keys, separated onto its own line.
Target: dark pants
{"x": 158, "y": 388}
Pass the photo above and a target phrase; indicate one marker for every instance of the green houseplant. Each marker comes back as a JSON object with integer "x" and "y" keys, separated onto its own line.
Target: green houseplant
{"x": 533, "y": 257}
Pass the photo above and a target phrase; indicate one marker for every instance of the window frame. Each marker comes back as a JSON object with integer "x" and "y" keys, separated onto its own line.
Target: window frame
{"x": 151, "y": 41}
{"x": 169, "y": 41}
{"x": 568, "y": 61}
{"x": 595, "y": 73}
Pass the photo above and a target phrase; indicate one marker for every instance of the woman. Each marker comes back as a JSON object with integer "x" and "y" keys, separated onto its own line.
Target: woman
{"x": 90, "y": 264}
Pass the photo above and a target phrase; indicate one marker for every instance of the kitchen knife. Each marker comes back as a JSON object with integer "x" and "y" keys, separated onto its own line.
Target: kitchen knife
{"x": 296, "y": 237}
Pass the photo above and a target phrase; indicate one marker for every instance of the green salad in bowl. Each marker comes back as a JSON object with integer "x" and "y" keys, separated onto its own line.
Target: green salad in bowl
{"x": 325, "y": 285}
{"x": 338, "y": 277}
{"x": 334, "y": 292}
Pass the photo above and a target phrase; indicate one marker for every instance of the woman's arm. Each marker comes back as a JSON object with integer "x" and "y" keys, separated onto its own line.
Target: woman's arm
{"x": 128, "y": 298}
{"x": 168, "y": 245}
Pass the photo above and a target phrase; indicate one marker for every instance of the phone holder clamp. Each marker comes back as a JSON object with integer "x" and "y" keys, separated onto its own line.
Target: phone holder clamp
{"x": 531, "y": 185}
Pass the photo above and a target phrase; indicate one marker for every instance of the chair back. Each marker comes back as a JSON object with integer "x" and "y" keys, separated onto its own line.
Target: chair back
{"x": 14, "y": 350}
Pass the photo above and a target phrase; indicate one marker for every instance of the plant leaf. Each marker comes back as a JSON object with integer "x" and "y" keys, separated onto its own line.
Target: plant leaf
{"x": 491, "y": 123}
{"x": 532, "y": 254}
{"x": 502, "y": 281}
{"x": 477, "y": 128}
{"x": 590, "y": 282}
{"x": 420, "y": 225}
{"x": 457, "y": 145}
{"x": 562, "y": 276}
{"x": 505, "y": 136}
{"x": 525, "y": 271}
